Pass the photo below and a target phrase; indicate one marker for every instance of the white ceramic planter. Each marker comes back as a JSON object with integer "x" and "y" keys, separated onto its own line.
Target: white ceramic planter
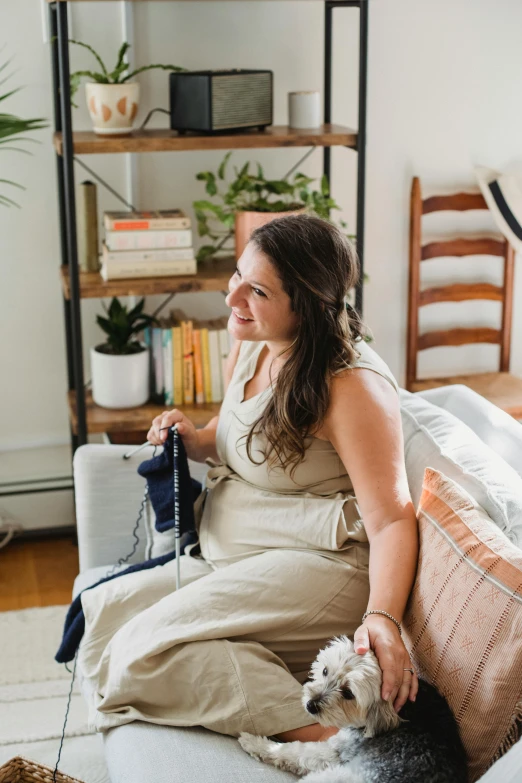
{"x": 120, "y": 381}
{"x": 112, "y": 107}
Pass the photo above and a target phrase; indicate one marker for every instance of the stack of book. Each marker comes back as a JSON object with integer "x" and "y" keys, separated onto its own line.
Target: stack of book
{"x": 187, "y": 360}
{"x": 147, "y": 244}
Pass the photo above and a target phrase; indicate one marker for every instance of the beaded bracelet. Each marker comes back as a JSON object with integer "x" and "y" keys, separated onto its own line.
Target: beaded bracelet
{"x": 386, "y": 614}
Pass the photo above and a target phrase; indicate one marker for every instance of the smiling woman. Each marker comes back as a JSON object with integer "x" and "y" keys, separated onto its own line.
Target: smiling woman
{"x": 260, "y": 308}
{"x": 308, "y": 474}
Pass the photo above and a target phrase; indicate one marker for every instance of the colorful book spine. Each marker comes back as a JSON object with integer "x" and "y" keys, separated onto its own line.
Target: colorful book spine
{"x": 177, "y": 347}
{"x": 157, "y": 355}
{"x": 158, "y": 254}
{"x": 199, "y": 391}
{"x": 87, "y": 212}
{"x": 147, "y": 240}
{"x": 146, "y": 221}
{"x": 147, "y": 338}
{"x": 168, "y": 377}
{"x": 116, "y": 270}
{"x": 215, "y": 366}
{"x": 224, "y": 350}
{"x": 205, "y": 354}
{"x": 188, "y": 363}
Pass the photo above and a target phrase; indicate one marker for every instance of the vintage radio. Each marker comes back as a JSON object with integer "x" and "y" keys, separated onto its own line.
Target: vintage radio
{"x": 217, "y": 101}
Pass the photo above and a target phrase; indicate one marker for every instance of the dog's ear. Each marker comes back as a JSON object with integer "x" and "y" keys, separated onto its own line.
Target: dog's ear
{"x": 381, "y": 717}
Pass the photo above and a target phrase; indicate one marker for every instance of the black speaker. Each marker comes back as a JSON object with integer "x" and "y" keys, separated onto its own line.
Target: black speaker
{"x": 218, "y": 101}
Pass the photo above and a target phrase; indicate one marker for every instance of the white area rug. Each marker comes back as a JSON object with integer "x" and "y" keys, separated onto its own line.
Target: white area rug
{"x": 33, "y": 697}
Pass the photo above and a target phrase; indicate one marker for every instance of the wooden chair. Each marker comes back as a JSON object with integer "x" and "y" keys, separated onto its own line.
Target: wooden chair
{"x": 502, "y": 388}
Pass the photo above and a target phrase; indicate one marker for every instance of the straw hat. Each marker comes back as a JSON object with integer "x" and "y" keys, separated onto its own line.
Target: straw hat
{"x": 503, "y": 194}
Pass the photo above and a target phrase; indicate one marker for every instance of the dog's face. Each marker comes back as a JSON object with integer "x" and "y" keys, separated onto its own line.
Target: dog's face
{"x": 345, "y": 690}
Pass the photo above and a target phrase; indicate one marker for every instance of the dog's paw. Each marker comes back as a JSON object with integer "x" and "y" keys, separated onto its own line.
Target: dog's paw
{"x": 258, "y": 747}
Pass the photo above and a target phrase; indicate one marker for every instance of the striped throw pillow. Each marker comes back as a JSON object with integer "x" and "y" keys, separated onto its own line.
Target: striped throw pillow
{"x": 463, "y": 624}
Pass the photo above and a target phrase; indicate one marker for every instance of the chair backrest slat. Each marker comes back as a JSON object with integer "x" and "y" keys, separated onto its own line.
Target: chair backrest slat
{"x": 455, "y": 292}
{"x": 461, "y": 292}
{"x": 458, "y": 337}
{"x": 463, "y": 247}
{"x": 456, "y": 202}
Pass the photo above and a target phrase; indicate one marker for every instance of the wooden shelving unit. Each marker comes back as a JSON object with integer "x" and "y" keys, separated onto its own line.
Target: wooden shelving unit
{"x": 86, "y": 417}
{"x": 160, "y": 140}
{"x": 131, "y": 419}
{"x": 212, "y": 276}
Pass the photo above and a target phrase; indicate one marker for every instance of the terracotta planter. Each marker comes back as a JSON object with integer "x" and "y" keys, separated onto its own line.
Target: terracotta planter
{"x": 246, "y": 222}
{"x": 112, "y": 107}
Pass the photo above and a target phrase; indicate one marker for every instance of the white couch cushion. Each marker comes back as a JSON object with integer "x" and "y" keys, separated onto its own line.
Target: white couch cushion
{"x": 507, "y": 769}
{"x": 139, "y": 752}
{"x": 495, "y": 427}
{"x": 435, "y": 438}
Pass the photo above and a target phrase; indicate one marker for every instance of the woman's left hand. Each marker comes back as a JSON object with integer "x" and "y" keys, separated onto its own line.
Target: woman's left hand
{"x": 381, "y": 635}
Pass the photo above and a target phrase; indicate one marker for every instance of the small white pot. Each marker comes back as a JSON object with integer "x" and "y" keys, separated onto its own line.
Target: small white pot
{"x": 112, "y": 107}
{"x": 120, "y": 381}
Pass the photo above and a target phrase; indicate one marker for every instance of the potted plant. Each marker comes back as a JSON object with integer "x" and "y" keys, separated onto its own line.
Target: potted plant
{"x": 112, "y": 98}
{"x": 251, "y": 200}
{"x": 120, "y": 366}
{"x": 10, "y": 128}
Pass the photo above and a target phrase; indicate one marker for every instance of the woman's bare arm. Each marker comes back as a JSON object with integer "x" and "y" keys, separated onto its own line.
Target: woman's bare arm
{"x": 364, "y": 425}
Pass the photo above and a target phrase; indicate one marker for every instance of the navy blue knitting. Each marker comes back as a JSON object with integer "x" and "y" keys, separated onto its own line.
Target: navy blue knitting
{"x": 159, "y": 474}
{"x": 158, "y": 471}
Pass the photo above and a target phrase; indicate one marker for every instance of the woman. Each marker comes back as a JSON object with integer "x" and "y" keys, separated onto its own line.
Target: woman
{"x": 307, "y": 525}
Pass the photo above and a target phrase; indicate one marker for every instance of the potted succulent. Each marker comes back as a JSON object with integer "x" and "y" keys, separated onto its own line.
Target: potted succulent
{"x": 112, "y": 98}
{"x": 10, "y": 129}
{"x": 120, "y": 366}
{"x": 249, "y": 201}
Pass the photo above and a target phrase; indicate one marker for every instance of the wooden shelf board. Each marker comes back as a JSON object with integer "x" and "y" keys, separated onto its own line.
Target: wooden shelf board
{"x": 161, "y": 140}
{"x": 212, "y": 276}
{"x": 132, "y": 419}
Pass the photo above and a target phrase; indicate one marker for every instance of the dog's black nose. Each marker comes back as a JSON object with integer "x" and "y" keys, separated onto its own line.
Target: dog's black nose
{"x": 313, "y": 707}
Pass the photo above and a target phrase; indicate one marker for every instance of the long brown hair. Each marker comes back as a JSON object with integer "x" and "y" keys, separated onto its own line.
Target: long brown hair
{"x": 317, "y": 266}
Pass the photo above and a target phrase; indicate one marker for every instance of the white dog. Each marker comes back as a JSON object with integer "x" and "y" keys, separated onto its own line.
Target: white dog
{"x": 374, "y": 744}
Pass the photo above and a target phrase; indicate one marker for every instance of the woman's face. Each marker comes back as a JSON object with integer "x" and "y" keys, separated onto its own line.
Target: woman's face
{"x": 260, "y": 308}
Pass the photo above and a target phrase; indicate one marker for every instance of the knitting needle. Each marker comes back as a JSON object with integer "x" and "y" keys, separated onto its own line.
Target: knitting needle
{"x": 131, "y": 453}
{"x": 177, "y": 530}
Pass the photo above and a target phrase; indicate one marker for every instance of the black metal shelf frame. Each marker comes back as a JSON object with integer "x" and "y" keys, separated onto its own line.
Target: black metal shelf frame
{"x": 58, "y": 12}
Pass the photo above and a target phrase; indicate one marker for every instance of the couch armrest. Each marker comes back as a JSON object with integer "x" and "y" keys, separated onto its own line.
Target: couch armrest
{"x": 108, "y": 493}
{"x": 496, "y": 428}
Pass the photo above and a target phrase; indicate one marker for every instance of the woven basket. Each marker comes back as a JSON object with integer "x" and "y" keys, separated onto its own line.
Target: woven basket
{"x": 20, "y": 770}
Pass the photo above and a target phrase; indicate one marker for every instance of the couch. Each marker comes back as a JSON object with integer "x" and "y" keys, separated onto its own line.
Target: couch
{"x": 108, "y": 495}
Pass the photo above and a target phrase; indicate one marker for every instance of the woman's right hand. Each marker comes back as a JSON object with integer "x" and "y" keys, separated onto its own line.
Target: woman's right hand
{"x": 159, "y": 431}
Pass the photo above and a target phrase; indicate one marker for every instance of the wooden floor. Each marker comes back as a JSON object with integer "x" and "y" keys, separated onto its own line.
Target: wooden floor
{"x": 37, "y": 573}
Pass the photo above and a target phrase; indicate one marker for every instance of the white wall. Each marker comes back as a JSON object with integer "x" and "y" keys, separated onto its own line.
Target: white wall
{"x": 444, "y": 81}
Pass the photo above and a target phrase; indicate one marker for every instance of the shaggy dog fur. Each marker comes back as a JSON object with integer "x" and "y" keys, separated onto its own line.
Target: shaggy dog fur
{"x": 374, "y": 744}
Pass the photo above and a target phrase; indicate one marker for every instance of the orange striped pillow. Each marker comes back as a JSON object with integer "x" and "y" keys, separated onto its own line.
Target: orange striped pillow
{"x": 463, "y": 624}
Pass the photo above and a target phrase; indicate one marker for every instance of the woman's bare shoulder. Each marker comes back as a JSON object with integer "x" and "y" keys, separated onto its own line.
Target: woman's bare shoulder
{"x": 357, "y": 394}
{"x": 359, "y": 382}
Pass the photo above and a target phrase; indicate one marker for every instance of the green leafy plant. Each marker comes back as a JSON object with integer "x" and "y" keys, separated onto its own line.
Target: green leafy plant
{"x": 121, "y": 325}
{"x": 253, "y": 192}
{"x": 116, "y": 76}
{"x": 10, "y": 129}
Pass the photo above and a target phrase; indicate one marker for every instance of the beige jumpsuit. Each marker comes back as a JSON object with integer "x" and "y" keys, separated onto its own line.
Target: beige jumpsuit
{"x": 284, "y": 568}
